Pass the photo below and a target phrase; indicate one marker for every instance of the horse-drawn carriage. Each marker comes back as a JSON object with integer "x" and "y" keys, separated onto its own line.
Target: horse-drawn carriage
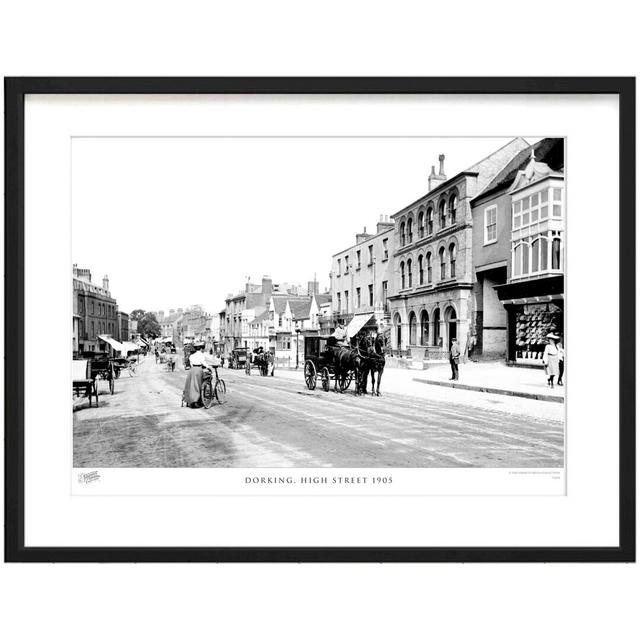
{"x": 264, "y": 362}
{"x": 320, "y": 362}
{"x": 238, "y": 358}
{"x": 324, "y": 358}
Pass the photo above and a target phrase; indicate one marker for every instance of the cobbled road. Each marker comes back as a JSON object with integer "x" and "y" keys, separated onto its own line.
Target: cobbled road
{"x": 277, "y": 422}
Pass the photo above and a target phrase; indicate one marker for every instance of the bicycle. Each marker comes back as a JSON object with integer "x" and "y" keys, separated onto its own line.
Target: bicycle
{"x": 211, "y": 391}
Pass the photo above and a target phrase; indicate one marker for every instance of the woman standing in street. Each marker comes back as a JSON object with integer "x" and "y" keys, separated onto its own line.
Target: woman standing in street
{"x": 193, "y": 383}
{"x": 551, "y": 357}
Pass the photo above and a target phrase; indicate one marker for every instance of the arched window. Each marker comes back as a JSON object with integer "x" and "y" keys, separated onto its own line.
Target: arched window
{"x": 429, "y": 270}
{"x": 424, "y": 328}
{"x": 451, "y": 325}
{"x": 452, "y": 260}
{"x": 443, "y": 265}
{"x": 436, "y": 328}
{"x": 397, "y": 323}
{"x": 420, "y": 270}
{"x": 429, "y": 221}
{"x": 409, "y": 273}
{"x": 402, "y": 235}
{"x": 421, "y": 224}
{"x": 410, "y": 230}
{"x": 556, "y": 260}
{"x": 442, "y": 214}
{"x": 402, "y": 275}
{"x": 412, "y": 328}
{"x": 453, "y": 207}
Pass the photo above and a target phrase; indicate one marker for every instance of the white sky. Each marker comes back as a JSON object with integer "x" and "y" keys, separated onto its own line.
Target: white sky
{"x": 181, "y": 221}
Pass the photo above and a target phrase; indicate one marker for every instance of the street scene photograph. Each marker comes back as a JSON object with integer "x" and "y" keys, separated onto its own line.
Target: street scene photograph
{"x": 309, "y": 302}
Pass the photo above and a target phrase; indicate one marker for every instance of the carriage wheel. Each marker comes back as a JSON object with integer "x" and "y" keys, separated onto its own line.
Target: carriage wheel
{"x": 310, "y": 375}
{"x": 247, "y": 368}
{"x": 326, "y": 379}
{"x": 344, "y": 384}
{"x": 220, "y": 391}
{"x": 206, "y": 394}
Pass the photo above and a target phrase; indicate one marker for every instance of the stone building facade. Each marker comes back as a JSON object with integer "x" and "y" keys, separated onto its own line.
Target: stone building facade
{"x": 433, "y": 278}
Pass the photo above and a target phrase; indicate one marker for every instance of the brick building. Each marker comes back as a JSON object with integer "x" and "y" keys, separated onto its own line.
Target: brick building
{"x": 95, "y": 312}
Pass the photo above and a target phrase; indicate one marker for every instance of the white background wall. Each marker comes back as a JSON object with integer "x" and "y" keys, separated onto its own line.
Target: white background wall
{"x": 332, "y": 38}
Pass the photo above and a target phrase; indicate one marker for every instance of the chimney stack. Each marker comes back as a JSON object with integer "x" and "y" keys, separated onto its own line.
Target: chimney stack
{"x": 361, "y": 237}
{"x": 267, "y": 286}
{"x": 384, "y": 224}
{"x": 435, "y": 180}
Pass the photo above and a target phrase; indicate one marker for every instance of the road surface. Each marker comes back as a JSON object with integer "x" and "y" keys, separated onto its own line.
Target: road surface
{"x": 277, "y": 422}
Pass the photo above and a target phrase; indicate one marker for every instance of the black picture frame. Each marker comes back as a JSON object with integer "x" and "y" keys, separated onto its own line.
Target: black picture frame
{"x": 15, "y": 91}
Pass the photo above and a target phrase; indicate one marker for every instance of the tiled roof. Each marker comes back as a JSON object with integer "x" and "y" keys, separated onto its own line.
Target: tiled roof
{"x": 300, "y": 308}
{"x": 261, "y": 318}
{"x": 549, "y": 150}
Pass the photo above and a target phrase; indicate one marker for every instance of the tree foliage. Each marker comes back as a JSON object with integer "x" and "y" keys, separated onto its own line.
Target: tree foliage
{"x": 136, "y": 314}
{"x": 148, "y": 326}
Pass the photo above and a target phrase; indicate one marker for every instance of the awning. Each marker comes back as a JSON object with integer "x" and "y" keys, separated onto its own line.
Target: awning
{"x": 114, "y": 343}
{"x": 357, "y": 322}
{"x": 129, "y": 346}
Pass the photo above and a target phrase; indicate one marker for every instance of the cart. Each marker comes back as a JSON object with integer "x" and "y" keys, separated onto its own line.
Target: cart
{"x": 318, "y": 363}
{"x": 239, "y": 358}
{"x": 102, "y": 368}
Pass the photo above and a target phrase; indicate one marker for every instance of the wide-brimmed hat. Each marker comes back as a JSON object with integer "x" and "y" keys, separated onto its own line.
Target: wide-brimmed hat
{"x": 553, "y": 336}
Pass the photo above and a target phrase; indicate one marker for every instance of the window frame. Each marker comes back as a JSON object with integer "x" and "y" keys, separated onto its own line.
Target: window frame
{"x": 488, "y": 210}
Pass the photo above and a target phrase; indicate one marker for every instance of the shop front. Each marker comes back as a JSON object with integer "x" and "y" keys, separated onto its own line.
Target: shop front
{"x": 534, "y": 309}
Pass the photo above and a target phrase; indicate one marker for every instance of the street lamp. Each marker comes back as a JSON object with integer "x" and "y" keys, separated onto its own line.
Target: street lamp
{"x": 297, "y": 348}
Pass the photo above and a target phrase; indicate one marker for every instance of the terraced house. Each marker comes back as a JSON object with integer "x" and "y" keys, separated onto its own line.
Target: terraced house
{"x": 433, "y": 277}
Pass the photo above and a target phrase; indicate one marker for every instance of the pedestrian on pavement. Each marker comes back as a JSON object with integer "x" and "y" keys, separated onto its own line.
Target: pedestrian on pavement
{"x": 193, "y": 383}
{"x": 454, "y": 359}
{"x": 551, "y": 358}
{"x": 560, "y": 362}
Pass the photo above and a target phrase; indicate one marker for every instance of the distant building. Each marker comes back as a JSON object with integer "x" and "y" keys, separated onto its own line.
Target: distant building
{"x": 240, "y": 310}
{"x": 123, "y": 327}
{"x": 362, "y": 278}
{"x": 95, "y": 312}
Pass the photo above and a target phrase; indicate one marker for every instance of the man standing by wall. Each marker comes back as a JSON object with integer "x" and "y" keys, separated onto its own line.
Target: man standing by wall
{"x": 454, "y": 359}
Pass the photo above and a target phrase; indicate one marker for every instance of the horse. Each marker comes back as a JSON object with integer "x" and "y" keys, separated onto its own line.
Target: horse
{"x": 373, "y": 361}
{"x": 346, "y": 360}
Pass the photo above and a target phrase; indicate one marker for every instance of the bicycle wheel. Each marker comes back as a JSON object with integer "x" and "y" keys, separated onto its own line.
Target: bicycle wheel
{"x": 206, "y": 394}
{"x": 220, "y": 391}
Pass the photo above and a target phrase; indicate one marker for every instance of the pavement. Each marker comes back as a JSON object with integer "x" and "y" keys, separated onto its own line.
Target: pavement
{"x": 494, "y": 377}
{"x": 277, "y": 422}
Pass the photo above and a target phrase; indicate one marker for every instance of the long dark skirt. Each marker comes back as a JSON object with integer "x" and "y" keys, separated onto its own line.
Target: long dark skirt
{"x": 193, "y": 386}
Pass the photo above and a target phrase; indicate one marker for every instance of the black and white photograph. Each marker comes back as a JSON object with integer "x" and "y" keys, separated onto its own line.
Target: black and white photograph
{"x": 274, "y": 302}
